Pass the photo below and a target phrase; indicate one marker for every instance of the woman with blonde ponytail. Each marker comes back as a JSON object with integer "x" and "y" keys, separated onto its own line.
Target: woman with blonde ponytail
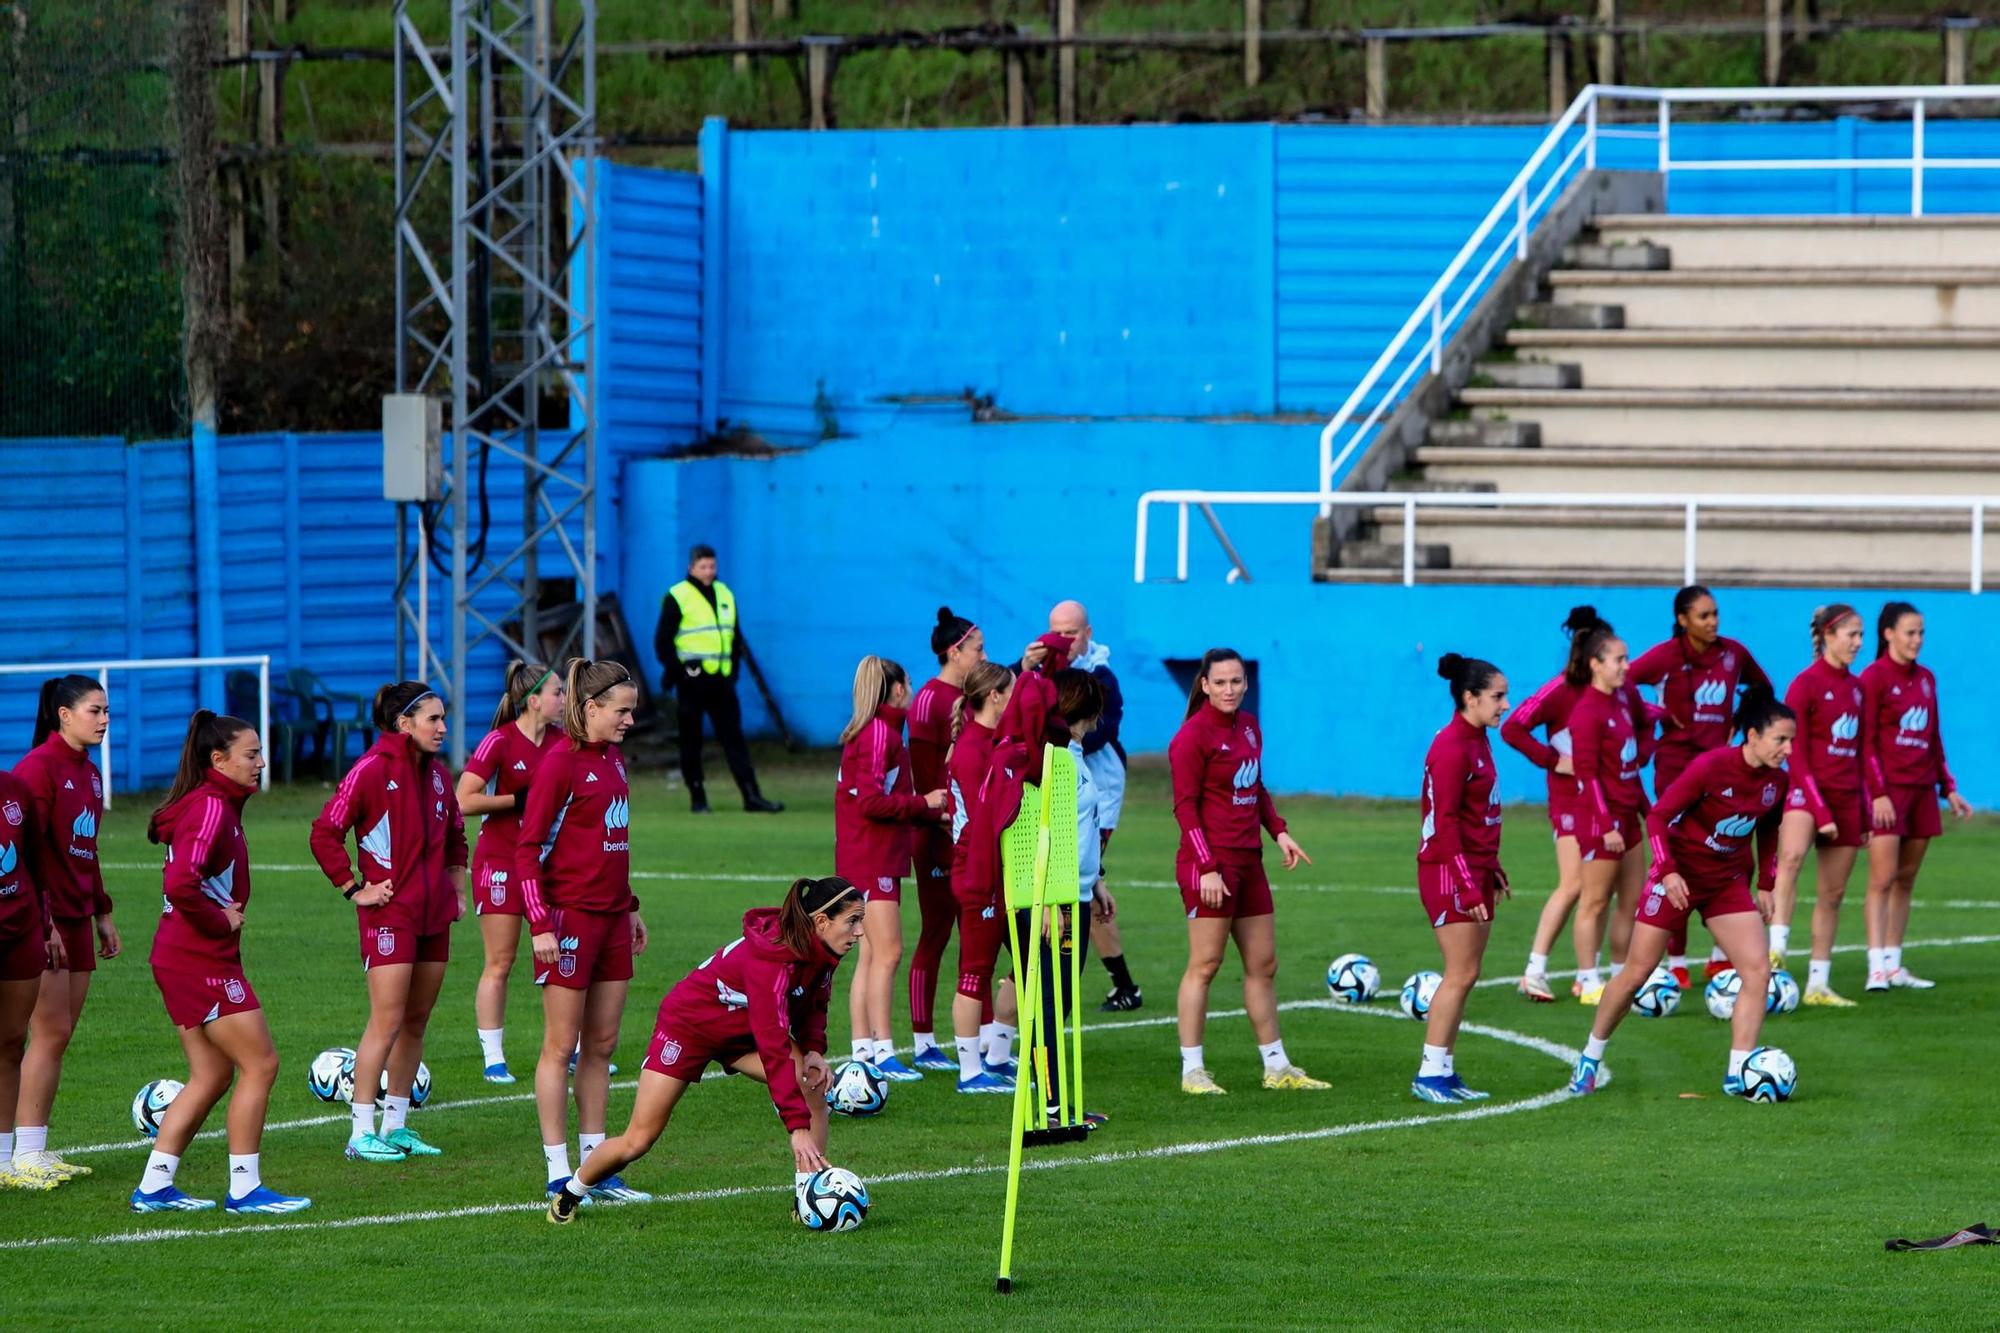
{"x": 494, "y": 786}
{"x": 876, "y": 816}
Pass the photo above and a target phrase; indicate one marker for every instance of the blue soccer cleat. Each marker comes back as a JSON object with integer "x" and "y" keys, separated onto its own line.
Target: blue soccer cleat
{"x": 1588, "y": 1076}
{"x": 499, "y": 1073}
{"x": 984, "y": 1083}
{"x": 1009, "y": 1069}
{"x": 613, "y": 1189}
{"x": 167, "y": 1199}
{"x": 1463, "y": 1093}
{"x": 897, "y": 1072}
{"x": 935, "y": 1060}
{"x": 264, "y": 1199}
{"x": 1432, "y": 1088}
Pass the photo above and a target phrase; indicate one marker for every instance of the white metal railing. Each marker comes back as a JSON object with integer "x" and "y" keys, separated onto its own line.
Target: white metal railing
{"x": 1418, "y": 345}
{"x": 103, "y": 667}
{"x": 1975, "y": 507}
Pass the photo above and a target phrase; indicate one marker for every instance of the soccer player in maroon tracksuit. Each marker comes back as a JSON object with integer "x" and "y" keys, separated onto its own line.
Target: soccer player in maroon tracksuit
{"x": 1700, "y": 832}
{"x": 979, "y": 763}
{"x": 1459, "y": 878}
{"x": 1902, "y": 755}
{"x": 756, "y": 1006}
{"x": 526, "y": 726}
{"x": 407, "y": 889}
{"x": 1698, "y": 672}
{"x": 65, "y": 808}
{"x": 959, "y": 646}
{"x": 1826, "y": 804}
{"x": 1223, "y": 808}
{"x": 29, "y": 946}
{"x": 877, "y": 815}
{"x": 1608, "y": 752}
{"x": 574, "y": 867}
{"x": 198, "y": 966}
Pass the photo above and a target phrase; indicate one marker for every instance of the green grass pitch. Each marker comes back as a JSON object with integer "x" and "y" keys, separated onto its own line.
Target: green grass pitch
{"x": 1357, "y": 1207}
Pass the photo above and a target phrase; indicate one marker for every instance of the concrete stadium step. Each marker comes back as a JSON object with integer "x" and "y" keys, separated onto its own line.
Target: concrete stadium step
{"x": 1830, "y": 418}
{"x": 1545, "y": 373}
{"x": 1895, "y": 546}
{"x": 1470, "y": 434}
{"x": 1569, "y": 315}
{"x": 1620, "y": 255}
{"x": 1700, "y": 468}
{"x": 1801, "y": 298}
{"x": 1364, "y": 554}
{"x": 1865, "y": 242}
{"x": 1888, "y": 358}
{"x": 1652, "y": 576}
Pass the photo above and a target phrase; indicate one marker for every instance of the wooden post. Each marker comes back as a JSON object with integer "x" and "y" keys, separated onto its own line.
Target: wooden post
{"x": 235, "y": 43}
{"x": 1774, "y": 41}
{"x": 1955, "y": 34}
{"x": 781, "y": 9}
{"x": 1607, "y": 43}
{"x": 270, "y": 136}
{"x": 1378, "y": 78}
{"x": 1558, "y": 72}
{"x": 1253, "y": 42}
{"x": 817, "y": 77}
{"x": 1017, "y": 89}
{"x": 739, "y": 31}
{"x": 1066, "y": 63}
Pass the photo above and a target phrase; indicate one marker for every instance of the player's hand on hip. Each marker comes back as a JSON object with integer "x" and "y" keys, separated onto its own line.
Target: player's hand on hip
{"x": 374, "y": 895}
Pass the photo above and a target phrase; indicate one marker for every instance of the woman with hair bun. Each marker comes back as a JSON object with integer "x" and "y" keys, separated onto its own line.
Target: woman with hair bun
{"x": 399, "y": 803}
{"x": 494, "y": 786}
{"x": 1459, "y": 878}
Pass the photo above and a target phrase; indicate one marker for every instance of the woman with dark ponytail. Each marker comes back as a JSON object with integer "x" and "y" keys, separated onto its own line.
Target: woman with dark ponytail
{"x": 756, "y": 1006}
{"x": 1459, "y": 878}
{"x": 1902, "y": 754}
{"x": 959, "y": 646}
{"x": 1701, "y": 830}
{"x": 494, "y": 786}
{"x": 1609, "y": 753}
{"x": 29, "y": 946}
{"x": 59, "y": 837}
{"x": 198, "y": 966}
{"x": 399, "y": 803}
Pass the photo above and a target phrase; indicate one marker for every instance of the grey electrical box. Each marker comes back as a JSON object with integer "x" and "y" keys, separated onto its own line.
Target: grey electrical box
{"x": 412, "y": 447}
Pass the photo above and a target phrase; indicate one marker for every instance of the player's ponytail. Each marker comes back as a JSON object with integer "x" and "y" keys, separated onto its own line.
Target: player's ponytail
{"x": 1209, "y": 661}
{"x": 1758, "y": 709}
{"x": 1891, "y": 613}
{"x": 981, "y": 683}
{"x": 398, "y": 700}
{"x": 1825, "y": 620}
{"x": 1588, "y": 633}
{"x": 1684, "y": 601}
{"x": 58, "y": 693}
{"x": 207, "y": 735}
{"x": 524, "y": 682}
{"x": 1465, "y": 675}
{"x": 587, "y": 682}
{"x": 950, "y": 631}
{"x": 806, "y": 899}
{"x": 875, "y": 682}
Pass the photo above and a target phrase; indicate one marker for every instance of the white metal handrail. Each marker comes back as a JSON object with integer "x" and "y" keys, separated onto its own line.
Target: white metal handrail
{"x": 1691, "y": 505}
{"x": 103, "y": 667}
{"x": 1419, "y": 344}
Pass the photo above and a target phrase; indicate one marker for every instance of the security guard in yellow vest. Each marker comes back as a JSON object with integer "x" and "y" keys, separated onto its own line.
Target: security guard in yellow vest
{"x": 696, "y": 641}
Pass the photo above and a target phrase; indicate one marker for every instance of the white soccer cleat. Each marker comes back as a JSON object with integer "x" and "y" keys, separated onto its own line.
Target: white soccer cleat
{"x": 1904, "y": 979}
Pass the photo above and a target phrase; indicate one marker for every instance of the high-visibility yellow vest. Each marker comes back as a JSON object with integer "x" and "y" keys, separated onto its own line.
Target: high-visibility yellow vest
{"x": 708, "y": 633}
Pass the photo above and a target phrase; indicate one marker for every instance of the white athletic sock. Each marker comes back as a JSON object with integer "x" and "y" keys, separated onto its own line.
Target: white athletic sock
{"x": 585, "y": 1143}
{"x": 986, "y": 1038}
{"x": 884, "y": 1050}
{"x": 1736, "y": 1059}
{"x": 968, "y": 1057}
{"x": 576, "y": 1188}
{"x": 395, "y": 1114}
{"x": 1589, "y": 978}
{"x": 1002, "y": 1048}
{"x": 1191, "y": 1060}
{"x": 1892, "y": 960}
{"x": 556, "y": 1155}
{"x": 244, "y": 1175}
{"x": 923, "y": 1041}
{"x": 7, "y": 1146}
{"x": 1273, "y": 1056}
{"x": 1538, "y": 964}
{"x": 30, "y": 1139}
{"x": 1819, "y": 973}
{"x": 160, "y": 1169}
{"x": 863, "y": 1048}
{"x": 492, "y": 1045}
{"x": 1781, "y": 939}
{"x": 1876, "y": 960}
{"x": 1594, "y": 1045}
{"x": 1679, "y": 960}
{"x": 1437, "y": 1062}
{"x": 1716, "y": 955}
{"x": 364, "y": 1119}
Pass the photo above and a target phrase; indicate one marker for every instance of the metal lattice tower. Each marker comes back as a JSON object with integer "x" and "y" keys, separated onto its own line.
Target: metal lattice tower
{"x": 495, "y": 149}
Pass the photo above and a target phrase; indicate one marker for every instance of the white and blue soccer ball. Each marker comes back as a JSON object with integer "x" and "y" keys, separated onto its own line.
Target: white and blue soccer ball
{"x": 151, "y": 1104}
{"x": 1659, "y": 996}
{"x": 1782, "y": 995}
{"x": 857, "y": 1088}
{"x": 1353, "y": 979}
{"x": 1721, "y": 993}
{"x": 330, "y": 1076}
{"x": 1418, "y": 992}
{"x": 833, "y": 1200}
{"x": 420, "y": 1086}
{"x": 1769, "y": 1075}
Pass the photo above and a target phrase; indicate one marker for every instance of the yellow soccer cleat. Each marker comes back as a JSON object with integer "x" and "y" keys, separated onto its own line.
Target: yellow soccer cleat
{"x": 1293, "y": 1079}
{"x": 1201, "y": 1083}
{"x": 1777, "y": 960}
{"x": 1822, "y": 997}
{"x": 46, "y": 1162}
{"x": 1590, "y": 996}
{"x": 28, "y": 1178}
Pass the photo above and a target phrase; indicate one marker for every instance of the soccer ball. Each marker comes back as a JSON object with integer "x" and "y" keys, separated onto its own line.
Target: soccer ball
{"x": 1659, "y": 997}
{"x": 330, "y": 1077}
{"x": 833, "y": 1200}
{"x": 1418, "y": 992}
{"x": 1352, "y": 979}
{"x": 1721, "y": 993}
{"x": 1782, "y": 995}
{"x": 1769, "y": 1075}
{"x": 858, "y": 1088}
{"x": 152, "y": 1103}
{"x": 420, "y": 1086}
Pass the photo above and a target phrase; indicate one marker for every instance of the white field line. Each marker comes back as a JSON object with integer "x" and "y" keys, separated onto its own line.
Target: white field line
{"x": 1957, "y": 941}
{"x": 1189, "y": 1149}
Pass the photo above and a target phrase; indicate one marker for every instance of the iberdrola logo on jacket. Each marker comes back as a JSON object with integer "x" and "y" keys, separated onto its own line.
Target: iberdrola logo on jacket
{"x": 10, "y": 860}
{"x": 617, "y": 819}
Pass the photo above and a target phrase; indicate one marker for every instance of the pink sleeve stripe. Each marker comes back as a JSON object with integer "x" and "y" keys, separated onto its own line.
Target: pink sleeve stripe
{"x": 204, "y": 838}
{"x": 488, "y": 746}
{"x": 1812, "y": 792}
{"x": 1200, "y": 841}
{"x": 343, "y": 800}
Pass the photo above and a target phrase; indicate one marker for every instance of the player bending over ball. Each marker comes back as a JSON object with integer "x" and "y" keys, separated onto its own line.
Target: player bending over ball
{"x": 1458, "y": 861}
{"x": 756, "y": 1006}
{"x": 1700, "y": 832}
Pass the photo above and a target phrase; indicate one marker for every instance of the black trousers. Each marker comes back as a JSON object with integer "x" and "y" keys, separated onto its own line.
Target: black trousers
{"x": 714, "y": 696}
{"x": 1056, "y": 964}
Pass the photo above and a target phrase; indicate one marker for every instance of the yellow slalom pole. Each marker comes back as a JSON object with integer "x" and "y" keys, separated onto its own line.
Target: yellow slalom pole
{"x": 1079, "y": 922}
{"x": 1005, "y": 1282}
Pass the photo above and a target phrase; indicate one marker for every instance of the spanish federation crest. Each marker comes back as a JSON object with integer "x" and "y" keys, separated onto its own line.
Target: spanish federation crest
{"x": 670, "y": 1051}
{"x": 12, "y": 810}
{"x": 232, "y": 991}
{"x": 566, "y": 964}
{"x": 1770, "y": 793}
{"x": 385, "y": 941}
{"x": 1729, "y": 661}
{"x": 437, "y": 782}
